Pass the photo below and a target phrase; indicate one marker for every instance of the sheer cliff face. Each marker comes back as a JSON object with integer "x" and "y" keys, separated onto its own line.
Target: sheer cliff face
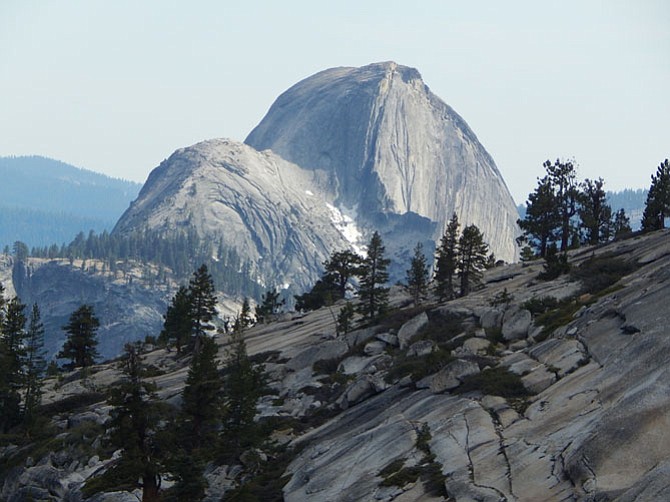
{"x": 273, "y": 212}
{"x": 391, "y": 146}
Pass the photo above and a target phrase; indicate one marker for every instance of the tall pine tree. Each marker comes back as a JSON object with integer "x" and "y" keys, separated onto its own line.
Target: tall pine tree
{"x": 35, "y": 366}
{"x": 472, "y": 258}
{"x": 417, "y": 275}
{"x": 373, "y": 275}
{"x": 12, "y": 354}
{"x": 177, "y": 326}
{"x": 657, "y": 206}
{"x": 203, "y": 305}
{"x": 80, "y": 346}
{"x": 447, "y": 261}
{"x": 243, "y": 387}
{"x": 135, "y": 421}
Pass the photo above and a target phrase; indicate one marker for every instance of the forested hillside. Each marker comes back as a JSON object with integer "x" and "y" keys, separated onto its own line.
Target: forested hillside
{"x": 43, "y": 201}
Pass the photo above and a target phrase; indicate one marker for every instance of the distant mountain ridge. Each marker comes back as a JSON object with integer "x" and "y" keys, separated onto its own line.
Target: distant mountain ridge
{"x": 45, "y": 201}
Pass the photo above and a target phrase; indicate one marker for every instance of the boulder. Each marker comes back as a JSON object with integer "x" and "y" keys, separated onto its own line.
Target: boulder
{"x": 474, "y": 346}
{"x": 420, "y": 348}
{"x": 408, "y": 330}
{"x": 388, "y": 338}
{"x": 491, "y": 318}
{"x": 331, "y": 349}
{"x": 452, "y": 375}
{"x": 374, "y": 348}
{"x": 515, "y": 324}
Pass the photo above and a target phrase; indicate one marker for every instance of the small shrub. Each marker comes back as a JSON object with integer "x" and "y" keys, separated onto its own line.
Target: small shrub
{"x": 419, "y": 366}
{"x": 403, "y": 477}
{"x": 496, "y": 381}
{"x": 392, "y": 468}
{"x": 557, "y": 317}
{"x": 540, "y": 305}
{"x": 555, "y": 265}
{"x": 600, "y": 273}
{"x": 501, "y": 298}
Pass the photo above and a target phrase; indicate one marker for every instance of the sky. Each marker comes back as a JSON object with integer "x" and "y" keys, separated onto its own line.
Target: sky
{"x": 116, "y": 87}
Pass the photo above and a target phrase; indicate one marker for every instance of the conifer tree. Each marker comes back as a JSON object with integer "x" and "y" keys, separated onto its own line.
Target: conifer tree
{"x": 621, "y": 225}
{"x": 657, "y": 206}
{"x": 35, "y": 365}
{"x": 134, "y": 424}
{"x": 12, "y": 355}
{"x": 340, "y": 268}
{"x": 201, "y": 414}
{"x": 269, "y": 306}
{"x": 563, "y": 179}
{"x": 472, "y": 258}
{"x": 447, "y": 261}
{"x": 594, "y": 212}
{"x": 201, "y": 405}
{"x": 243, "y": 387}
{"x": 373, "y": 275}
{"x": 80, "y": 346}
{"x": 202, "y": 297}
{"x": 345, "y": 319}
{"x": 244, "y": 319}
{"x": 177, "y": 325}
{"x": 417, "y": 275}
{"x": 542, "y": 219}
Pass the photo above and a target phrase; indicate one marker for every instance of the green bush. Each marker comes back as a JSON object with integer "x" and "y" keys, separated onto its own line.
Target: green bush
{"x": 496, "y": 381}
{"x": 599, "y": 273}
{"x": 540, "y": 305}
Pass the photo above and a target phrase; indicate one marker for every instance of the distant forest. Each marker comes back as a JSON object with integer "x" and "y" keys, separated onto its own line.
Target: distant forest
{"x": 43, "y": 201}
{"x": 181, "y": 253}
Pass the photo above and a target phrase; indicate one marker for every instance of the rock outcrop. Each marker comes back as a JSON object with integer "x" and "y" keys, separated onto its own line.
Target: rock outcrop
{"x": 274, "y": 213}
{"x": 392, "y": 148}
{"x": 449, "y": 423}
{"x": 340, "y": 154}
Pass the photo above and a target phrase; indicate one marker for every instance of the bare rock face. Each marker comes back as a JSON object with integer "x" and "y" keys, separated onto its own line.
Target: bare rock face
{"x": 391, "y": 148}
{"x": 272, "y": 212}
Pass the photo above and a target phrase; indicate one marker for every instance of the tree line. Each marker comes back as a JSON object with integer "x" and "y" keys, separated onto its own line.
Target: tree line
{"x": 178, "y": 252}
{"x": 563, "y": 213}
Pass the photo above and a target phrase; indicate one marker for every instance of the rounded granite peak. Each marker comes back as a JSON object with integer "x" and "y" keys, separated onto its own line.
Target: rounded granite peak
{"x": 391, "y": 147}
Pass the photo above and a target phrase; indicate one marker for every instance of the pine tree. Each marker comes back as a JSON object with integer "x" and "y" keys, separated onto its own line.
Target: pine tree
{"x": 244, "y": 319}
{"x": 621, "y": 225}
{"x": 472, "y": 258}
{"x": 657, "y": 207}
{"x": 269, "y": 307}
{"x": 201, "y": 405}
{"x": 340, "y": 268}
{"x": 373, "y": 275}
{"x": 177, "y": 325}
{"x": 35, "y": 366}
{"x": 201, "y": 414}
{"x": 243, "y": 387}
{"x": 542, "y": 219}
{"x": 135, "y": 419}
{"x": 202, "y": 296}
{"x": 345, "y": 319}
{"x": 12, "y": 355}
{"x": 594, "y": 212}
{"x": 417, "y": 275}
{"x": 563, "y": 179}
{"x": 80, "y": 346}
{"x": 447, "y": 261}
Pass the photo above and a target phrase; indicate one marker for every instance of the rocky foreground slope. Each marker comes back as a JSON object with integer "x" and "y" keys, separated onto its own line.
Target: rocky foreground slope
{"x": 525, "y": 390}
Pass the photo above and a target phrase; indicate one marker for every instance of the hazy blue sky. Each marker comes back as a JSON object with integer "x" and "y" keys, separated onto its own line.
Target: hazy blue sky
{"x": 117, "y": 86}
